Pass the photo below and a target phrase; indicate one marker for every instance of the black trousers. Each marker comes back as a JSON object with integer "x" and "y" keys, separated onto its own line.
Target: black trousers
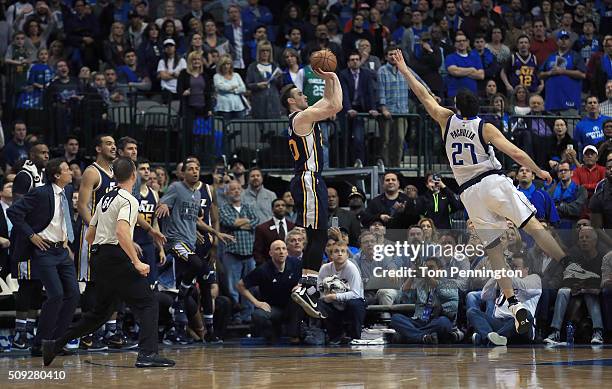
{"x": 117, "y": 280}
{"x": 56, "y": 271}
{"x": 269, "y": 324}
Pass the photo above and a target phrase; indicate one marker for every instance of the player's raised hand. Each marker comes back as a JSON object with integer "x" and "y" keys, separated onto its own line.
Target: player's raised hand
{"x": 544, "y": 175}
{"x": 398, "y": 60}
{"x": 325, "y": 75}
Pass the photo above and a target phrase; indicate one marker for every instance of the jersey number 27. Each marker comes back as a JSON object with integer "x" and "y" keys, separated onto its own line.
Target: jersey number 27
{"x": 458, "y": 150}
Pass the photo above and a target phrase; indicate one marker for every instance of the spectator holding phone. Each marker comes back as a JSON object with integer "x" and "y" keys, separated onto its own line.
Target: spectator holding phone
{"x": 440, "y": 201}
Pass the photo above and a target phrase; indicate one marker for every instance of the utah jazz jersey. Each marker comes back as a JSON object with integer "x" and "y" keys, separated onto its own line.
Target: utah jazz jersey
{"x": 467, "y": 152}
{"x": 524, "y": 72}
{"x": 307, "y": 150}
{"x": 146, "y": 208}
{"x": 307, "y": 186}
{"x": 105, "y": 184}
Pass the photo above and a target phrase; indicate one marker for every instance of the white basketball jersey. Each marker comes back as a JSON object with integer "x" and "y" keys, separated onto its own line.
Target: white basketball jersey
{"x": 466, "y": 150}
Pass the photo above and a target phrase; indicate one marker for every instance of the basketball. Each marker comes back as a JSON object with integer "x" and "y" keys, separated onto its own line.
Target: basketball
{"x": 324, "y": 60}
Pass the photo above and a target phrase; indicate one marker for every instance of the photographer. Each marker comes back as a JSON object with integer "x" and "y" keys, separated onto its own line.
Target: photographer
{"x": 440, "y": 202}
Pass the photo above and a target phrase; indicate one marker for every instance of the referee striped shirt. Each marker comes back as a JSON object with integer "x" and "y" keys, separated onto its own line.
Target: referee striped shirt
{"x": 117, "y": 204}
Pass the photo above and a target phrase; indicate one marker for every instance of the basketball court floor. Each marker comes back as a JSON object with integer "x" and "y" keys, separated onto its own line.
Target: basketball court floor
{"x": 232, "y": 366}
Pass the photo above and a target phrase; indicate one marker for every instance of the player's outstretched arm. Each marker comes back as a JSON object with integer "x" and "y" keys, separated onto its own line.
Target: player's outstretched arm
{"x": 492, "y": 135}
{"x": 328, "y": 106}
{"x": 437, "y": 112}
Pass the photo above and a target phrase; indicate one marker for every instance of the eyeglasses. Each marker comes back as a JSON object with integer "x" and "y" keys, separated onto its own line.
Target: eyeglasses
{"x": 563, "y": 170}
{"x": 461, "y": 40}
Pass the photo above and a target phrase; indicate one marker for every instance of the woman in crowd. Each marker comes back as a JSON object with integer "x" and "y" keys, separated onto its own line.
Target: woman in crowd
{"x": 264, "y": 79}
{"x": 490, "y": 92}
{"x": 561, "y": 146}
{"x": 430, "y": 233}
{"x": 168, "y": 31}
{"x": 169, "y": 68}
{"x": 231, "y": 104}
{"x": 293, "y": 73}
{"x": 150, "y": 52}
{"x": 116, "y": 45}
{"x": 162, "y": 178}
{"x": 56, "y": 53}
{"x": 520, "y": 101}
{"x": 35, "y": 36}
{"x": 213, "y": 41}
{"x": 333, "y": 28}
{"x": 497, "y": 46}
{"x": 292, "y": 17}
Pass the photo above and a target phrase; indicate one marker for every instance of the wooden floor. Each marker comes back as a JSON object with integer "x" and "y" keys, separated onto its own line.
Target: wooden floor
{"x": 232, "y": 366}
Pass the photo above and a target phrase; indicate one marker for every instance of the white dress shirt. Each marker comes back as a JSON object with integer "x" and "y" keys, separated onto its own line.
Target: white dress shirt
{"x": 56, "y": 230}
{"x": 277, "y": 223}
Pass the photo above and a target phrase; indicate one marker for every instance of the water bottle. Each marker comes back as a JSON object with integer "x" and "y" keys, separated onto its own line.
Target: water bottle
{"x": 569, "y": 329}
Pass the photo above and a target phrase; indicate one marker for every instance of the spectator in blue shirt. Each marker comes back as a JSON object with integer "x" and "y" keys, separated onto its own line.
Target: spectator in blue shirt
{"x": 463, "y": 68}
{"x": 487, "y": 58}
{"x": 589, "y": 130}
{"x": 254, "y": 15}
{"x": 563, "y": 73}
{"x": 16, "y": 148}
{"x": 587, "y": 43}
{"x": 545, "y": 207}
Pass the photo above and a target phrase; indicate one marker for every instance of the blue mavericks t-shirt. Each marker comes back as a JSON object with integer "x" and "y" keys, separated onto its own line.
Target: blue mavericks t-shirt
{"x": 589, "y": 131}
{"x": 563, "y": 92}
{"x": 470, "y": 60}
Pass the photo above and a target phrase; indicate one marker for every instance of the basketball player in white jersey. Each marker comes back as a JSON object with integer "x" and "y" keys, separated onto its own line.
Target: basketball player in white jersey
{"x": 488, "y": 195}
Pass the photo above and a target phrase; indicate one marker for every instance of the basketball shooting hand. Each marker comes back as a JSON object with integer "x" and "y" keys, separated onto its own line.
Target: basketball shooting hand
{"x": 162, "y": 211}
{"x": 142, "y": 268}
{"x": 326, "y": 75}
{"x": 398, "y": 59}
{"x": 545, "y": 176}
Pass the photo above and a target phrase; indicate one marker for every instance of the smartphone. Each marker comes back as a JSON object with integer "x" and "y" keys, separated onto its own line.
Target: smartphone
{"x": 220, "y": 171}
{"x": 334, "y": 222}
{"x": 436, "y": 177}
{"x": 570, "y": 147}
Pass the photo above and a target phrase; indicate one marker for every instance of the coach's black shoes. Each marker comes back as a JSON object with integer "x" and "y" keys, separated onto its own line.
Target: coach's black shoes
{"x": 153, "y": 360}
{"x": 522, "y": 323}
{"x": 48, "y": 351}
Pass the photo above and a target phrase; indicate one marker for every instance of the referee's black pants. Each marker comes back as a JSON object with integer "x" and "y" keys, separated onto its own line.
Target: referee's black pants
{"x": 117, "y": 280}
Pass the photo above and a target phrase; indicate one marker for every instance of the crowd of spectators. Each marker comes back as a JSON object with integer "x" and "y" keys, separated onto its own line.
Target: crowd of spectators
{"x": 543, "y": 72}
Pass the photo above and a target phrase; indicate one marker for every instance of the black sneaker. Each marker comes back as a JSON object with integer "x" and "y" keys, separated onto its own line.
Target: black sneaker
{"x": 308, "y": 302}
{"x": 153, "y": 360}
{"x": 90, "y": 343}
{"x": 20, "y": 341}
{"x": 430, "y": 338}
{"x": 175, "y": 336}
{"x": 212, "y": 339}
{"x": 48, "y": 351}
{"x": 114, "y": 340}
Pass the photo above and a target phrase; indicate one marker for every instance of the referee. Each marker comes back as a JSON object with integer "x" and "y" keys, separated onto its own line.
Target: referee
{"x": 117, "y": 271}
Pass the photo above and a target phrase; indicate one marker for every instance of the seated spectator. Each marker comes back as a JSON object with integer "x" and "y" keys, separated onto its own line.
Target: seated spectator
{"x": 384, "y": 206}
{"x": 522, "y": 69}
{"x": 448, "y": 243}
{"x": 430, "y": 232}
{"x": 263, "y": 80}
{"x": 131, "y": 74}
{"x": 463, "y": 68}
{"x": 519, "y": 101}
{"x": 274, "y": 229}
{"x": 563, "y": 73}
{"x": 489, "y": 92}
{"x": 231, "y": 104}
{"x": 435, "y": 308}
{"x": 293, "y": 73}
{"x": 540, "y": 199}
{"x": 589, "y": 130}
{"x": 499, "y": 117}
{"x": 497, "y": 328}
{"x": 345, "y": 304}
{"x": 439, "y": 201}
{"x": 569, "y": 198}
{"x": 559, "y": 143}
{"x": 582, "y": 277}
{"x": 115, "y": 46}
{"x": 589, "y": 173}
{"x": 346, "y": 219}
{"x": 295, "y": 241}
{"x": 359, "y": 96}
{"x": 274, "y": 308}
{"x": 605, "y": 146}
{"x": 118, "y": 93}
{"x": 169, "y": 68}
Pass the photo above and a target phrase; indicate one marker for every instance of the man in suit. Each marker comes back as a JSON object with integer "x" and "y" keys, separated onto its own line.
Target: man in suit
{"x": 346, "y": 219}
{"x": 274, "y": 229}
{"x": 6, "y": 199}
{"x": 42, "y": 221}
{"x": 359, "y": 87}
{"x": 237, "y": 34}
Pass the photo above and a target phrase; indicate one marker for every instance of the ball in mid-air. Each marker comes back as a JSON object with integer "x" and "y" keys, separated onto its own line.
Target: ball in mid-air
{"x": 324, "y": 60}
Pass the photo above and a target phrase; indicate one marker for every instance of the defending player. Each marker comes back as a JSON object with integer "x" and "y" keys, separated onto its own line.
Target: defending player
{"x": 307, "y": 186}
{"x": 487, "y": 194}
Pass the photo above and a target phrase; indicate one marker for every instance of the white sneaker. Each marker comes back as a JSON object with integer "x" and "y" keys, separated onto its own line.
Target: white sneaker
{"x": 597, "y": 337}
{"x": 497, "y": 339}
{"x": 521, "y": 318}
{"x": 553, "y": 338}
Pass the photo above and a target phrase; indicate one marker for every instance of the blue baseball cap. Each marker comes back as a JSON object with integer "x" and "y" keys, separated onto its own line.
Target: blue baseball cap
{"x": 563, "y": 34}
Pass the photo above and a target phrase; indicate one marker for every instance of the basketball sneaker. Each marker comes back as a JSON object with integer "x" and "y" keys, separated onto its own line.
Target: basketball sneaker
{"x": 553, "y": 338}
{"x": 597, "y": 337}
{"x": 20, "y": 341}
{"x": 496, "y": 339}
{"x": 307, "y": 296}
{"x": 430, "y": 338}
{"x": 73, "y": 344}
{"x": 153, "y": 360}
{"x": 211, "y": 338}
{"x": 92, "y": 343}
{"x": 521, "y": 318}
{"x": 176, "y": 336}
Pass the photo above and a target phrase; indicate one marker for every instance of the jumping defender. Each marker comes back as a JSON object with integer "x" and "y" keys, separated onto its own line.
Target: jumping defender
{"x": 487, "y": 194}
